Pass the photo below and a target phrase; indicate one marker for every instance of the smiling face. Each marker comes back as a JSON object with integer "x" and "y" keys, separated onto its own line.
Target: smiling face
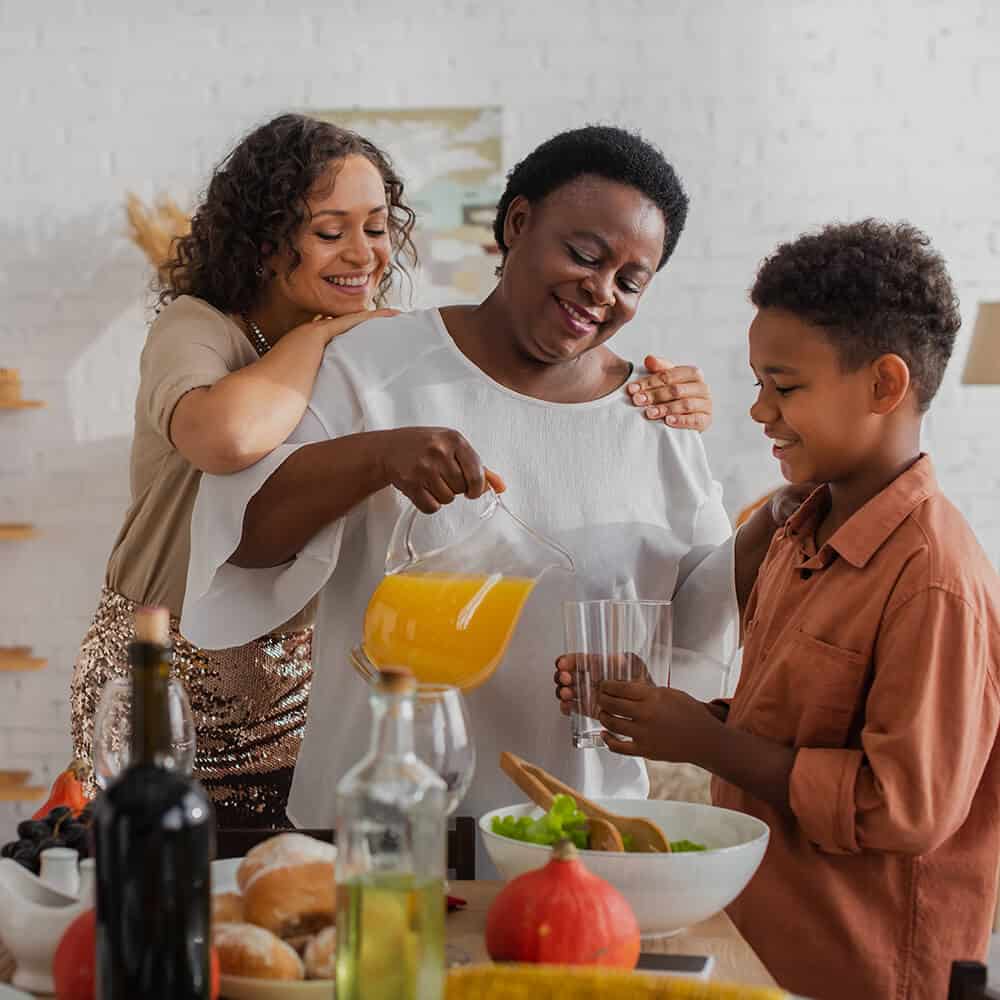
{"x": 344, "y": 246}
{"x": 823, "y": 421}
{"x": 577, "y": 265}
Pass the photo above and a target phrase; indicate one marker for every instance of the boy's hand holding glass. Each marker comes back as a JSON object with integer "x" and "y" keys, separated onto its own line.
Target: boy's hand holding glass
{"x": 656, "y": 722}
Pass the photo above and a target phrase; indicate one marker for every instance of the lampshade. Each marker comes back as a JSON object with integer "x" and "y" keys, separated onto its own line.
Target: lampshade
{"x": 982, "y": 364}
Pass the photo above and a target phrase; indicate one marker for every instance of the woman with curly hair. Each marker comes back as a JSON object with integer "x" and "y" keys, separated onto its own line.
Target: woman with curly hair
{"x": 297, "y": 239}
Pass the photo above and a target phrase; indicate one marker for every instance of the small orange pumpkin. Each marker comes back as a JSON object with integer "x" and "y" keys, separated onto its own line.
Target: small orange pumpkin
{"x": 66, "y": 791}
{"x": 562, "y": 914}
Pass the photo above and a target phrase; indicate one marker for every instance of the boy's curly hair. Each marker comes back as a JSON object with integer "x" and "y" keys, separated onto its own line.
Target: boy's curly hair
{"x": 875, "y": 288}
{"x": 609, "y": 152}
{"x": 257, "y": 198}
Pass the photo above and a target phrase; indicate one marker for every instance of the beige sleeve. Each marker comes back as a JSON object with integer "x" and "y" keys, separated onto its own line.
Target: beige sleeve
{"x": 186, "y": 349}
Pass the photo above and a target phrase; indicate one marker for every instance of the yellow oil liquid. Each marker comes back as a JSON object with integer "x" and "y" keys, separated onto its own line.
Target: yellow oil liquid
{"x": 446, "y": 629}
{"x": 390, "y": 938}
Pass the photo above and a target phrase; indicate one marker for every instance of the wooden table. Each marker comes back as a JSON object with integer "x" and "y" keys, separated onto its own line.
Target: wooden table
{"x": 735, "y": 961}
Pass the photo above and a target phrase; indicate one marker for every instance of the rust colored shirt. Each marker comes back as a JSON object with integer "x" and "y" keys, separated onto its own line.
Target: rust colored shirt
{"x": 877, "y": 656}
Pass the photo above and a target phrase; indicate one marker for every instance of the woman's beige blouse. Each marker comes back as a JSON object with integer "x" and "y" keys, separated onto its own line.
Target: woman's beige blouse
{"x": 190, "y": 344}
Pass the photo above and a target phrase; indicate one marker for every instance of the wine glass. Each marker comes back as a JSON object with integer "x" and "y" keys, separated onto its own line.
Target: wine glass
{"x": 442, "y": 738}
{"x": 113, "y": 730}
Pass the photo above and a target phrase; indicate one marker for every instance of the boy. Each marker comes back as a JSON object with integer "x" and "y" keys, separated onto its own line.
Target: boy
{"x": 864, "y": 726}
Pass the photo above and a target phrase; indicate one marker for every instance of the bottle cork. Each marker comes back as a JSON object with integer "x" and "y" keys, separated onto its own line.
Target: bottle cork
{"x": 395, "y": 680}
{"x": 153, "y": 625}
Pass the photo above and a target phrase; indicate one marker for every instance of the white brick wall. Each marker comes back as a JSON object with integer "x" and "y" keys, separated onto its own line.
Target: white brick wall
{"x": 779, "y": 115}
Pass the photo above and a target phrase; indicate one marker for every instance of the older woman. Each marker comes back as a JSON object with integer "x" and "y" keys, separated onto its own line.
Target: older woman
{"x": 412, "y": 408}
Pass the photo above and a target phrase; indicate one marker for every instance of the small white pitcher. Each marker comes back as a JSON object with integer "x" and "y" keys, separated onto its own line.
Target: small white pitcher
{"x": 34, "y": 912}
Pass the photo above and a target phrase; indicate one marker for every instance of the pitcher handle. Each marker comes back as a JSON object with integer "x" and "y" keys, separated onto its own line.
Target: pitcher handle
{"x": 362, "y": 664}
{"x": 401, "y": 552}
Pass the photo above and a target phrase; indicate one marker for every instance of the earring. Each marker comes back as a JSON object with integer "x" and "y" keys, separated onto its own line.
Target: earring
{"x": 259, "y": 270}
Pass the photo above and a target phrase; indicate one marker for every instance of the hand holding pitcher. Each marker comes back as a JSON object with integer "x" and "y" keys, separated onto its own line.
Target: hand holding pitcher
{"x": 433, "y": 465}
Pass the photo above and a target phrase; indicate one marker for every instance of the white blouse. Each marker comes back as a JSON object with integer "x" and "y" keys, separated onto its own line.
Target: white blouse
{"x": 633, "y": 501}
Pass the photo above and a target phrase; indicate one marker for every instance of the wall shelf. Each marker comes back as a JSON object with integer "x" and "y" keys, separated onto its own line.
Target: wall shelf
{"x": 19, "y": 658}
{"x": 13, "y": 784}
{"x": 13, "y": 787}
{"x": 23, "y": 404}
{"x": 13, "y": 531}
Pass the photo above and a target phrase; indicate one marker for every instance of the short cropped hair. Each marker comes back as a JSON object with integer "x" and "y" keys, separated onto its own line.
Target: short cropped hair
{"x": 875, "y": 288}
{"x": 604, "y": 151}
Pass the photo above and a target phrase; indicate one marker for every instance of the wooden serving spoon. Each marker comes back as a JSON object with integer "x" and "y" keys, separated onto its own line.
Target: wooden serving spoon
{"x": 604, "y": 836}
{"x": 646, "y": 835}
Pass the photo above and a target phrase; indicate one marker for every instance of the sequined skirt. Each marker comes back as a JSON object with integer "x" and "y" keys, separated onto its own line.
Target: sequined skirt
{"x": 249, "y": 705}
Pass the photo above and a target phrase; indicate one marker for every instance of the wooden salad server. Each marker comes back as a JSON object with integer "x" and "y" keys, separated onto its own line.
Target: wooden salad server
{"x": 645, "y": 834}
{"x": 604, "y": 836}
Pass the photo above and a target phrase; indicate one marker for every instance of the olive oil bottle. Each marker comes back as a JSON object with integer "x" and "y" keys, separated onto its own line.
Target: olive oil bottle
{"x": 391, "y": 845}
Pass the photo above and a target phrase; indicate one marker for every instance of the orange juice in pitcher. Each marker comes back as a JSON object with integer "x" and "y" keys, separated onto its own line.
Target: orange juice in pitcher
{"x": 448, "y": 614}
{"x": 446, "y": 629}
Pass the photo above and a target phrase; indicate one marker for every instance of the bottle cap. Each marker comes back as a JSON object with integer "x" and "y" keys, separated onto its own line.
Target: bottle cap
{"x": 395, "y": 680}
{"x": 152, "y": 625}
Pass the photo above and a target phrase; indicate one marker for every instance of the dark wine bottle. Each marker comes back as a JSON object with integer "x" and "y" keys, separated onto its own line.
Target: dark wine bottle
{"x": 154, "y": 840}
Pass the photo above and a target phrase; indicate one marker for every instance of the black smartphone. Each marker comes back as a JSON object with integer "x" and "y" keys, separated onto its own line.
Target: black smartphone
{"x": 692, "y": 966}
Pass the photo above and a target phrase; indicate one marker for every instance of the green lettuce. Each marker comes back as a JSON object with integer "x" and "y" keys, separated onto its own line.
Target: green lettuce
{"x": 561, "y": 821}
{"x": 564, "y": 820}
{"x": 680, "y": 846}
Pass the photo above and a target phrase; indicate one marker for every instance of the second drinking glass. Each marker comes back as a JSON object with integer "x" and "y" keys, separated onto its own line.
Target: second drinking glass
{"x": 614, "y": 640}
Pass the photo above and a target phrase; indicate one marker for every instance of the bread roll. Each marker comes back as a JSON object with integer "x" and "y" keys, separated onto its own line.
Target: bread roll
{"x": 321, "y": 954}
{"x": 245, "y": 950}
{"x": 227, "y": 908}
{"x": 292, "y": 899}
{"x": 284, "y": 849}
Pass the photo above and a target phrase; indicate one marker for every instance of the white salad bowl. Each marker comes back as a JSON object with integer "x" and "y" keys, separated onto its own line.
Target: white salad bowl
{"x": 668, "y": 892}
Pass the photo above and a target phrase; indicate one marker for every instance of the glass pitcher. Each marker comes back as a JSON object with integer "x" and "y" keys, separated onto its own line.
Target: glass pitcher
{"x": 448, "y": 614}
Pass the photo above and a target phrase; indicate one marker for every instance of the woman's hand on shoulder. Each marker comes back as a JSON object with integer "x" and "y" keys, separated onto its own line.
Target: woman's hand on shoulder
{"x": 329, "y": 327}
{"x": 676, "y": 394}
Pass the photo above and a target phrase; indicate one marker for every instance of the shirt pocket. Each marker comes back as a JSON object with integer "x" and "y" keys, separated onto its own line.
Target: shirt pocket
{"x": 811, "y": 693}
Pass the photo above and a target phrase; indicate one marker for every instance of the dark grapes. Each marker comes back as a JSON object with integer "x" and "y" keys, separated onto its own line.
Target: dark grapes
{"x": 58, "y": 829}
{"x": 77, "y": 839}
{"x": 33, "y": 829}
{"x": 27, "y": 856}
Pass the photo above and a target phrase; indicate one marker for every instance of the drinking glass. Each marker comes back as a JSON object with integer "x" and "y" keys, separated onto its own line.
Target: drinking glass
{"x": 113, "y": 730}
{"x": 442, "y": 738}
{"x": 640, "y": 640}
{"x": 585, "y": 633}
{"x": 641, "y": 637}
{"x": 614, "y": 640}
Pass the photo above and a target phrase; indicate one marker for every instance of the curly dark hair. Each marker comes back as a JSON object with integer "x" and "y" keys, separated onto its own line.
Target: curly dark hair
{"x": 257, "y": 197}
{"x": 609, "y": 152}
{"x": 875, "y": 288}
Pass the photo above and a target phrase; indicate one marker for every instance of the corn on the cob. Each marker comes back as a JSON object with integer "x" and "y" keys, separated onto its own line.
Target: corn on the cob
{"x": 561, "y": 982}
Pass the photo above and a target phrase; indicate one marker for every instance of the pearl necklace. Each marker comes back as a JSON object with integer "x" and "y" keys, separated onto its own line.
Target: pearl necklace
{"x": 259, "y": 341}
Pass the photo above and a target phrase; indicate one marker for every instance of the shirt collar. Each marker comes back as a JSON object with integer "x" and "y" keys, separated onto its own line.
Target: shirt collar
{"x": 867, "y": 530}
